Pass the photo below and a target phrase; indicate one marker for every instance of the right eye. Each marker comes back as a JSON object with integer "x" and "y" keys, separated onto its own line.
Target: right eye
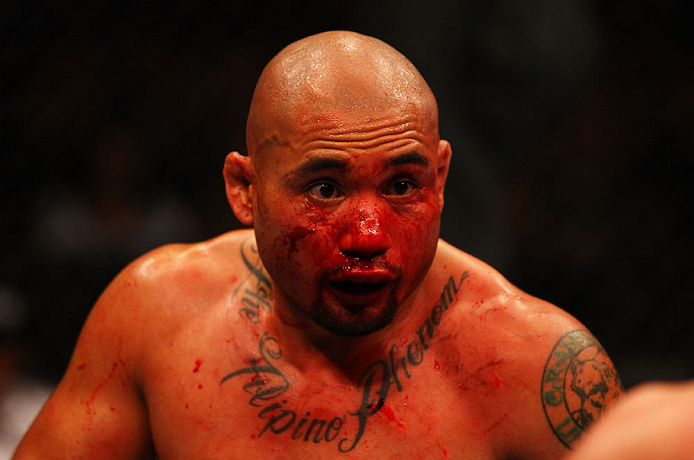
{"x": 323, "y": 191}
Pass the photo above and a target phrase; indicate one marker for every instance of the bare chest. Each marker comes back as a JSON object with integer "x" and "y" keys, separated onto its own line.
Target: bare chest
{"x": 223, "y": 388}
{"x": 255, "y": 409}
{"x": 244, "y": 398}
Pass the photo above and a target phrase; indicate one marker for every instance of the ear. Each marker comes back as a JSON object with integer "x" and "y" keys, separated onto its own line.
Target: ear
{"x": 443, "y": 162}
{"x": 239, "y": 178}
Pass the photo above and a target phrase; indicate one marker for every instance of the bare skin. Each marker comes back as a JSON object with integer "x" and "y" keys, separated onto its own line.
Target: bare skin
{"x": 341, "y": 326}
{"x": 652, "y": 422}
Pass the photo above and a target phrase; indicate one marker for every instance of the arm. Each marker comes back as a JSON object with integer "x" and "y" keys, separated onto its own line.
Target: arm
{"x": 97, "y": 410}
{"x": 579, "y": 384}
{"x": 567, "y": 380}
{"x": 551, "y": 379}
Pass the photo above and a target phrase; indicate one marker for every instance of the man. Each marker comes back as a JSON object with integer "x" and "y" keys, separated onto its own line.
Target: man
{"x": 341, "y": 326}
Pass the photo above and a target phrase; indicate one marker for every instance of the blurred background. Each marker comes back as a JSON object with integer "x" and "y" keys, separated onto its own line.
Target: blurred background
{"x": 572, "y": 126}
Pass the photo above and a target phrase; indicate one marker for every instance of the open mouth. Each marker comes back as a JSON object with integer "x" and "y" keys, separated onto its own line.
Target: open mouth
{"x": 357, "y": 287}
{"x": 354, "y": 288}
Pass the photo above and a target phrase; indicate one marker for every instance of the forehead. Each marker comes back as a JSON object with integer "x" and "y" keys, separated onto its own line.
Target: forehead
{"x": 362, "y": 134}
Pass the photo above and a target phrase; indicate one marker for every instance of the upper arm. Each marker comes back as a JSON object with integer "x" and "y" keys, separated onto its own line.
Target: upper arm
{"x": 558, "y": 379}
{"x": 579, "y": 384}
{"x": 574, "y": 382}
{"x": 97, "y": 410}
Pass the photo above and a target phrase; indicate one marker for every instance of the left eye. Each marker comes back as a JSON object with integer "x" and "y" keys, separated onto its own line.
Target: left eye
{"x": 401, "y": 187}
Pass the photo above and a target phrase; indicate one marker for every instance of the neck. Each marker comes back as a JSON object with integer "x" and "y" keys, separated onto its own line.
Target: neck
{"x": 308, "y": 345}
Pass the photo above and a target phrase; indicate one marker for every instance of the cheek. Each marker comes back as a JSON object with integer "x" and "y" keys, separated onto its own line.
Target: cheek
{"x": 421, "y": 224}
{"x": 273, "y": 225}
{"x": 299, "y": 236}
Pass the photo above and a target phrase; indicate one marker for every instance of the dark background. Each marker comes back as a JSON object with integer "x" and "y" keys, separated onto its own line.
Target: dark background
{"x": 571, "y": 124}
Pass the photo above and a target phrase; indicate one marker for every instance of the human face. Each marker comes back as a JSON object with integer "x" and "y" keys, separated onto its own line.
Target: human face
{"x": 347, "y": 215}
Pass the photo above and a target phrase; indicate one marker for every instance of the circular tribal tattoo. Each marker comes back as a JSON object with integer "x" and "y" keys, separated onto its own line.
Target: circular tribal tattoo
{"x": 578, "y": 383}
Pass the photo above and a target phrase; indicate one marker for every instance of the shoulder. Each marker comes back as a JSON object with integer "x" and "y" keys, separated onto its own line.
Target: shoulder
{"x": 184, "y": 269}
{"x": 490, "y": 307}
{"x": 530, "y": 354}
{"x": 487, "y": 300}
{"x": 153, "y": 302}
{"x": 206, "y": 259}
{"x": 167, "y": 287}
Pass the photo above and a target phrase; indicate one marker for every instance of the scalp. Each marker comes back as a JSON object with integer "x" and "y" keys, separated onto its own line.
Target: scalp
{"x": 334, "y": 71}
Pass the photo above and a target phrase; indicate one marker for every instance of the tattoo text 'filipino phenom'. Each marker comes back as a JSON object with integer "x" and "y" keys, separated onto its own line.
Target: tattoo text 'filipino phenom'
{"x": 267, "y": 385}
{"x": 578, "y": 383}
{"x": 380, "y": 376}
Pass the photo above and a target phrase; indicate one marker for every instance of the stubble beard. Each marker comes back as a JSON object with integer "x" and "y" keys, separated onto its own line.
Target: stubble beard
{"x": 353, "y": 322}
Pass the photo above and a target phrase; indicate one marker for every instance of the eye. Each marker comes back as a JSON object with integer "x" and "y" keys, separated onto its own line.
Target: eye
{"x": 323, "y": 191}
{"x": 400, "y": 187}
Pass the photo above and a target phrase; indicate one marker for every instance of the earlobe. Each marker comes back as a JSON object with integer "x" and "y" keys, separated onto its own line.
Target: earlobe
{"x": 239, "y": 178}
{"x": 443, "y": 162}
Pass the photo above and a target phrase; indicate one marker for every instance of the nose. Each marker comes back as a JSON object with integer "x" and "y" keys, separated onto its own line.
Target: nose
{"x": 365, "y": 234}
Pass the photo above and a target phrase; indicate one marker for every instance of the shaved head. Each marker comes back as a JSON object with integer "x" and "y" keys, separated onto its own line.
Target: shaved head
{"x": 345, "y": 169}
{"x": 334, "y": 72}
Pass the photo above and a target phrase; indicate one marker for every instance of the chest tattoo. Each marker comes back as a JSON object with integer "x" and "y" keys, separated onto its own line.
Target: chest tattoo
{"x": 264, "y": 381}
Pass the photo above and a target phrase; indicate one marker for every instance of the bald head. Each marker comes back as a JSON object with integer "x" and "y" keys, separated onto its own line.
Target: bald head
{"x": 335, "y": 72}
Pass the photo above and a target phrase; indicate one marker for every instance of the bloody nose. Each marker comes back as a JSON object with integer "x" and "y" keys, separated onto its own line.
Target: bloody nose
{"x": 365, "y": 234}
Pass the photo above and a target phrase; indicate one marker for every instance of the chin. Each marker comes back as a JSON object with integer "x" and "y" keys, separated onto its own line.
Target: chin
{"x": 354, "y": 322}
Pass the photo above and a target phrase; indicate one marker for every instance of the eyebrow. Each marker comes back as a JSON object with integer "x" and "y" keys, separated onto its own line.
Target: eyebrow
{"x": 409, "y": 158}
{"x": 314, "y": 165}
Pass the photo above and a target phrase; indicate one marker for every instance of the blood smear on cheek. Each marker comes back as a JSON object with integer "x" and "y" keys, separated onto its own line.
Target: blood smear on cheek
{"x": 298, "y": 233}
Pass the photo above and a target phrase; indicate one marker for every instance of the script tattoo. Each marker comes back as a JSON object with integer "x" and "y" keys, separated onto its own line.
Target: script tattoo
{"x": 578, "y": 383}
{"x": 259, "y": 296}
{"x": 266, "y": 383}
{"x": 382, "y": 375}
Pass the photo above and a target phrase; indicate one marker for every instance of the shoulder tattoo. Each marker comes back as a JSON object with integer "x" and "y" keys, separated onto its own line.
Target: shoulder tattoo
{"x": 578, "y": 383}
